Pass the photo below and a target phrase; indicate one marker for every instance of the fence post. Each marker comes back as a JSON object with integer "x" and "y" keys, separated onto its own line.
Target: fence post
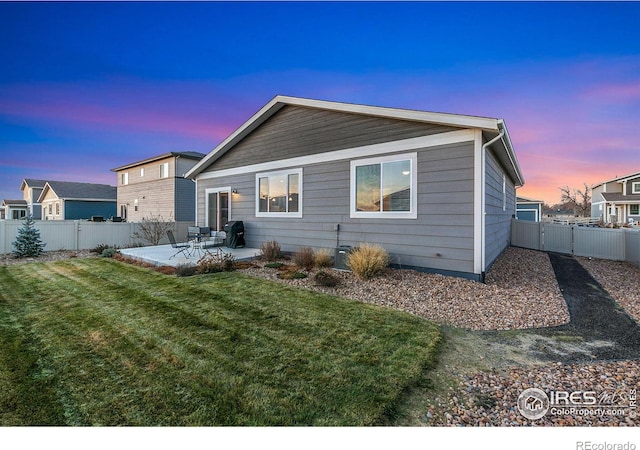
{"x": 3, "y": 237}
{"x": 76, "y": 235}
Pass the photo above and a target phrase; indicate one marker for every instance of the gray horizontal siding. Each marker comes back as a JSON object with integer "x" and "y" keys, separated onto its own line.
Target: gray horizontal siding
{"x": 299, "y": 131}
{"x": 497, "y": 220}
{"x": 185, "y": 200}
{"x": 440, "y": 238}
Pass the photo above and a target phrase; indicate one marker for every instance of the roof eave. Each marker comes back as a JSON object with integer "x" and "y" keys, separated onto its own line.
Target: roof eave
{"x": 278, "y": 102}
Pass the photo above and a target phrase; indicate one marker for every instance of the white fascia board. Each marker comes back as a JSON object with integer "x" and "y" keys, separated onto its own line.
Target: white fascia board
{"x": 397, "y": 113}
{"x": 280, "y": 101}
{"x": 451, "y": 137}
{"x": 257, "y": 119}
{"x": 619, "y": 179}
{"x": 511, "y": 154}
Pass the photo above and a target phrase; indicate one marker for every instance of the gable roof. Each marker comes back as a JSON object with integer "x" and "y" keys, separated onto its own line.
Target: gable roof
{"x": 190, "y": 155}
{"x": 527, "y": 200}
{"x": 618, "y": 179}
{"x": 492, "y": 127}
{"x": 20, "y": 202}
{"x": 33, "y": 183}
{"x": 69, "y": 190}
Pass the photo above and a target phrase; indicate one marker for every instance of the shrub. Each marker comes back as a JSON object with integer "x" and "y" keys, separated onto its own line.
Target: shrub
{"x": 275, "y": 265}
{"x": 109, "y": 252}
{"x": 270, "y": 251}
{"x": 291, "y": 274}
{"x": 217, "y": 262}
{"x": 324, "y": 258}
{"x": 326, "y": 279}
{"x": 368, "y": 260}
{"x": 153, "y": 228}
{"x": 304, "y": 258}
{"x": 100, "y": 248}
{"x": 28, "y": 243}
{"x": 185, "y": 270}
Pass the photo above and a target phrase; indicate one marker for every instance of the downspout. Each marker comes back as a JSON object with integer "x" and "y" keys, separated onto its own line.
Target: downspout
{"x": 483, "y": 162}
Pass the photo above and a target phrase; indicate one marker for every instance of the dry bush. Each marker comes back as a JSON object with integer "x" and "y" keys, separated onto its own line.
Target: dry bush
{"x": 326, "y": 279}
{"x": 324, "y": 258}
{"x": 304, "y": 258}
{"x": 270, "y": 251}
{"x": 368, "y": 260}
{"x": 217, "y": 262}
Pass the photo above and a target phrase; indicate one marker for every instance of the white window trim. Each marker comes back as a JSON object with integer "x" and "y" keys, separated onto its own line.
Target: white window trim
{"x": 635, "y": 187}
{"x": 412, "y": 214}
{"x": 164, "y": 167}
{"x": 125, "y": 178}
{"x": 504, "y": 192}
{"x": 141, "y": 172}
{"x": 208, "y": 191}
{"x": 296, "y": 215}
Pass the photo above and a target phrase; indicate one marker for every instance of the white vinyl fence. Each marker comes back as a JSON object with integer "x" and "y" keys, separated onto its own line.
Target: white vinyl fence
{"x": 81, "y": 235}
{"x": 618, "y": 244}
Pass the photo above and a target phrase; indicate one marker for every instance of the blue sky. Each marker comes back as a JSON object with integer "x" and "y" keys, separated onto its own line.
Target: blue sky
{"x": 86, "y": 87}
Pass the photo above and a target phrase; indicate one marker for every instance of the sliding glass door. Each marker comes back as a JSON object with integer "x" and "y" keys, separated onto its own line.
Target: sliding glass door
{"x": 218, "y": 208}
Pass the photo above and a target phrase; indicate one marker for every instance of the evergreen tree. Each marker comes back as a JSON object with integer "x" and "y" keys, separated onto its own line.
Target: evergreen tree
{"x": 28, "y": 243}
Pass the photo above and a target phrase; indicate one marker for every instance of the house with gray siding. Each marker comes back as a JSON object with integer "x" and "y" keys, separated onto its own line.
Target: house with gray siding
{"x": 528, "y": 209}
{"x": 156, "y": 186}
{"x": 617, "y": 200}
{"x": 68, "y": 200}
{"x": 436, "y": 190}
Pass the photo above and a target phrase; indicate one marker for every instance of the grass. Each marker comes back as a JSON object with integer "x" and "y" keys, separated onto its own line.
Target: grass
{"x": 100, "y": 342}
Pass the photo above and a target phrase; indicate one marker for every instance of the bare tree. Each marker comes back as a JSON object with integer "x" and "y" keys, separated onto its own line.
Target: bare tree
{"x": 153, "y": 228}
{"x": 578, "y": 200}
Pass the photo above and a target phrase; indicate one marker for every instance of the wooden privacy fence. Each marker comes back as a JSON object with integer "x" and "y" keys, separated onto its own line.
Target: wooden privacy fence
{"x": 617, "y": 244}
{"x": 81, "y": 235}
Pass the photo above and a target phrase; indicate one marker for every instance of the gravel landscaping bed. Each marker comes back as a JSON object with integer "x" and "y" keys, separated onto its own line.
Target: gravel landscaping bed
{"x": 489, "y": 398}
{"x": 520, "y": 292}
{"x": 621, "y": 279}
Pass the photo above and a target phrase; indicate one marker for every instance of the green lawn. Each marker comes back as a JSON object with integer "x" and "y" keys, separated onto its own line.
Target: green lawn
{"x": 99, "y": 342}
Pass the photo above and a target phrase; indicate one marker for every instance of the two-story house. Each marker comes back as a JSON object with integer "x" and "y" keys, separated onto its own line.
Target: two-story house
{"x": 31, "y": 190}
{"x": 617, "y": 200}
{"x": 156, "y": 186}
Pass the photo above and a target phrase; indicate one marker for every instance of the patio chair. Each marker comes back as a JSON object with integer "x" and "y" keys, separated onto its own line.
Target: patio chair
{"x": 182, "y": 248}
{"x": 217, "y": 241}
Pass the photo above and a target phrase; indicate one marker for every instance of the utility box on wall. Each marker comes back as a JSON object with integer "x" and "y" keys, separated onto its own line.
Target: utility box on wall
{"x": 340, "y": 257}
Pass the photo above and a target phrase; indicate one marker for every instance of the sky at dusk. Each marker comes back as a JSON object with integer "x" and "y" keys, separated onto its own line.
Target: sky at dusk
{"x": 86, "y": 87}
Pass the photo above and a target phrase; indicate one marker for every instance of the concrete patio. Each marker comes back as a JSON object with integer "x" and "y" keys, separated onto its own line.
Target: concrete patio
{"x": 161, "y": 255}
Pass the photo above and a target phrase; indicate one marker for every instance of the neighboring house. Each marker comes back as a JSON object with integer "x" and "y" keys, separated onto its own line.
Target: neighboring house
{"x": 65, "y": 200}
{"x": 156, "y": 186}
{"x": 437, "y": 191}
{"x": 14, "y": 209}
{"x": 31, "y": 190}
{"x": 617, "y": 200}
{"x": 527, "y": 209}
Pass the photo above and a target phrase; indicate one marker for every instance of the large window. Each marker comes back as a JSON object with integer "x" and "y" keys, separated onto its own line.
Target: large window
{"x": 279, "y": 194}
{"x": 384, "y": 187}
{"x": 634, "y": 210}
{"x": 635, "y": 187}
